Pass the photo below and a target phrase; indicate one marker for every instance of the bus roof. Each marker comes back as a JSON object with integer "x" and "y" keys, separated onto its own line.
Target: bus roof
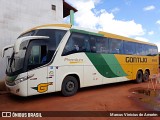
{"x": 89, "y": 31}
{"x": 49, "y": 26}
{"x": 110, "y": 35}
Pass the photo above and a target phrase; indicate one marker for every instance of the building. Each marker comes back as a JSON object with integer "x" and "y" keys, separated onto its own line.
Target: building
{"x": 16, "y": 16}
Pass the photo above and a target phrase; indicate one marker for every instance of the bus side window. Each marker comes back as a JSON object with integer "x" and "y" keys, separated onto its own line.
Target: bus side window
{"x": 86, "y": 44}
{"x": 34, "y": 56}
{"x": 102, "y": 45}
{"x": 144, "y": 51}
{"x": 154, "y": 50}
{"x": 37, "y": 57}
{"x": 76, "y": 43}
{"x": 129, "y": 48}
{"x": 149, "y": 50}
{"x": 92, "y": 42}
{"x": 138, "y": 49}
{"x": 116, "y": 46}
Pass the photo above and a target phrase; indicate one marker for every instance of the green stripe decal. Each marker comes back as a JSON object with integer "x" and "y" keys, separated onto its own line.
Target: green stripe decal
{"x": 86, "y": 32}
{"x": 35, "y": 88}
{"x": 106, "y": 64}
{"x": 12, "y": 78}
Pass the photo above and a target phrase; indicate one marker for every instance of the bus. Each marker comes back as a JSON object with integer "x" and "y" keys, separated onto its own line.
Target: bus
{"x": 159, "y": 59}
{"x": 62, "y": 57}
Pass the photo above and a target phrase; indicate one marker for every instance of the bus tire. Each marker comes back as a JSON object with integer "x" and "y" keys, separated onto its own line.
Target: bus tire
{"x": 139, "y": 77}
{"x": 69, "y": 86}
{"x": 146, "y": 76}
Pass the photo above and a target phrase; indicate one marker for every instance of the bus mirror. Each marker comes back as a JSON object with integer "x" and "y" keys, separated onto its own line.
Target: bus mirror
{"x": 6, "y": 48}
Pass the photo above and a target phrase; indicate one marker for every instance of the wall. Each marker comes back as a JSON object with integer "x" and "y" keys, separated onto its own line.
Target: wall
{"x": 16, "y": 16}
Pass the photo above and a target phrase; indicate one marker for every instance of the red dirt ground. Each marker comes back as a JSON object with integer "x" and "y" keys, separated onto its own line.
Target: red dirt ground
{"x": 111, "y": 97}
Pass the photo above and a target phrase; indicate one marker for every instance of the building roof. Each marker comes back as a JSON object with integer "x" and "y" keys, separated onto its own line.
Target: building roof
{"x": 66, "y": 9}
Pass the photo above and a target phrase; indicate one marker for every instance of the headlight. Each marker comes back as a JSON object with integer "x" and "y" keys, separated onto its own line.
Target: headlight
{"x": 19, "y": 80}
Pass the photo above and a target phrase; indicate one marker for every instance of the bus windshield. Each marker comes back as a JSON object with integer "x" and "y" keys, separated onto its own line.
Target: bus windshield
{"x": 17, "y": 64}
{"x": 17, "y": 59}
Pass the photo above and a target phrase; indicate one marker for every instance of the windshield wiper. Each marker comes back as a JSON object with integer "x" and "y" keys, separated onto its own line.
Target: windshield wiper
{"x": 12, "y": 59}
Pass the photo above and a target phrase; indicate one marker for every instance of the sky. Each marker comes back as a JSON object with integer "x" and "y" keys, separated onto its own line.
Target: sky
{"x": 138, "y": 19}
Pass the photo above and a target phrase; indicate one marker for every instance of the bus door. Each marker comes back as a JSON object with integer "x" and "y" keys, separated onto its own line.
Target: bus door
{"x": 37, "y": 68}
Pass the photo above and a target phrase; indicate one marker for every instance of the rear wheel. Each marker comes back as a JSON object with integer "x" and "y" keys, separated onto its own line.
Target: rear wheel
{"x": 146, "y": 76}
{"x": 69, "y": 86}
{"x": 139, "y": 77}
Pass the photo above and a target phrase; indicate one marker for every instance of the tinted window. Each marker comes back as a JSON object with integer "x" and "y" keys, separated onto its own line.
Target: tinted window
{"x": 149, "y": 50}
{"x": 30, "y": 33}
{"x": 37, "y": 54}
{"x": 77, "y": 43}
{"x": 154, "y": 50}
{"x": 92, "y": 43}
{"x": 130, "y": 48}
{"x": 144, "y": 50}
{"x": 116, "y": 46}
{"x": 16, "y": 62}
{"x": 102, "y": 45}
{"x": 86, "y": 43}
{"x": 41, "y": 52}
{"x": 138, "y": 49}
{"x": 55, "y": 36}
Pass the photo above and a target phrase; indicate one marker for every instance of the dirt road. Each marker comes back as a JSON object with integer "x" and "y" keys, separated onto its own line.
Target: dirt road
{"x": 111, "y": 97}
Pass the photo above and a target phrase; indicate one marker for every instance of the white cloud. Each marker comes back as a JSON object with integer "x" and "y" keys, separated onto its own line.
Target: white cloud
{"x": 158, "y": 22}
{"x": 150, "y": 32}
{"x": 97, "y": 1}
{"x": 128, "y": 2}
{"x": 142, "y": 39}
{"x": 108, "y": 23}
{"x": 147, "y": 8}
{"x": 115, "y": 10}
{"x": 158, "y": 45}
{"x": 85, "y": 17}
{"x": 88, "y": 17}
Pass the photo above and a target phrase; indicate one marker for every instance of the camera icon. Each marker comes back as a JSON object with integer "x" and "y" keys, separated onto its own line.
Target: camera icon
{"x": 6, "y": 114}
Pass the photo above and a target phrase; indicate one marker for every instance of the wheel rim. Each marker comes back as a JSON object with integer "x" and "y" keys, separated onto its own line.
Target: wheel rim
{"x": 139, "y": 77}
{"x": 70, "y": 86}
{"x": 146, "y": 77}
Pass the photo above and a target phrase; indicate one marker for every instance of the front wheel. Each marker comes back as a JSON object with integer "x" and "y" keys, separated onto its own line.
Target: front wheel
{"x": 146, "y": 76}
{"x": 139, "y": 77}
{"x": 69, "y": 86}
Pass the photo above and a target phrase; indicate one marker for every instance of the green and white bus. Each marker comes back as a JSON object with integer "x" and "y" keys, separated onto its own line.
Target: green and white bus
{"x": 61, "y": 57}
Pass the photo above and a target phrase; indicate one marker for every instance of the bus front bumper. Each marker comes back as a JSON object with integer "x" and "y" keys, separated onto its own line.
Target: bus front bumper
{"x": 19, "y": 89}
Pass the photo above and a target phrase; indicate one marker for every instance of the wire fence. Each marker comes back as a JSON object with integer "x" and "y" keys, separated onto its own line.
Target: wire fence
{"x": 154, "y": 82}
